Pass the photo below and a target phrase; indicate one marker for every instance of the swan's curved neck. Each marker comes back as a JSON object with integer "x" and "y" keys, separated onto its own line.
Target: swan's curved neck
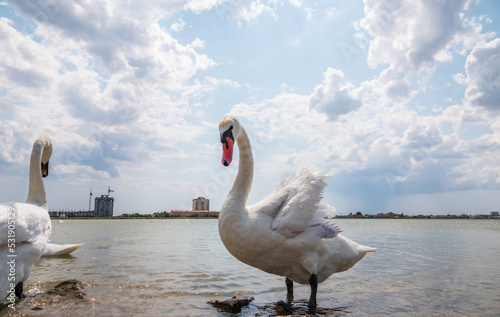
{"x": 36, "y": 193}
{"x": 242, "y": 185}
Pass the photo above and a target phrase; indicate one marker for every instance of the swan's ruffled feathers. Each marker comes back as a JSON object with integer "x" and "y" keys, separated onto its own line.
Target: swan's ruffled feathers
{"x": 295, "y": 206}
{"x": 325, "y": 230}
{"x": 272, "y": 203}
{"x": 32, "y": 222}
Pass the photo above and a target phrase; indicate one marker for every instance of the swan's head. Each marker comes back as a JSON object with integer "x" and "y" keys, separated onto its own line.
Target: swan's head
{"x": 229, "y": 129}
{"x": 46, "y": 145}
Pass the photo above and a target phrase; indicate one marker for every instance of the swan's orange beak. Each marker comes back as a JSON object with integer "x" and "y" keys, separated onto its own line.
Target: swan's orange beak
{"x": 227, "y": 140}
{"x": 227, "y": 151}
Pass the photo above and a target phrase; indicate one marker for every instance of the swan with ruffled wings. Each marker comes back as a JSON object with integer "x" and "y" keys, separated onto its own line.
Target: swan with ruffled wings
{"x": 25, "y": 227}
{"x": 285, "y": 233}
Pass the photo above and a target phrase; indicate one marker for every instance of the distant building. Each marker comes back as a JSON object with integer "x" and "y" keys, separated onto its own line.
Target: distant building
{"x": 103, "y": 206}
{"x": 201, "y": 203}
{"x": 495, "y": 213}
{"x": 201, "y": 208}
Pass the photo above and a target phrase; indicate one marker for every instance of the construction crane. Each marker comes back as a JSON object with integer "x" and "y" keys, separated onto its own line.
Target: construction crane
{"x": 90, "y": 198}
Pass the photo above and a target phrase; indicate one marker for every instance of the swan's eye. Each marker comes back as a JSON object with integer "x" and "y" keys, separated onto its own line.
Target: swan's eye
{"x": 227, "y": 134}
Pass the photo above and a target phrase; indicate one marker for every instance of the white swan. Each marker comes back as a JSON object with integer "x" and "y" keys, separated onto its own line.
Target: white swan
{"x": 25, "y": 227}
{"x": 284, "y": 233}
{"x": 36, "y": 196}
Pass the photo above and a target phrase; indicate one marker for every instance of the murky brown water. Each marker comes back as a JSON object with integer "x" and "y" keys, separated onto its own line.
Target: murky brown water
{"x": 172, "y": 268}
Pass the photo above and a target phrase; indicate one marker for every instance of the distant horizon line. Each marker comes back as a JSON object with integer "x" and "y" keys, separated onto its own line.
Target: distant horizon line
{"x": 358, "y": 214}
{"x": 339, "y": 214}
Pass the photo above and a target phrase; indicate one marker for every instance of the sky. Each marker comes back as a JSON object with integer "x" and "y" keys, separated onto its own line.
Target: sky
{"x": 397, "y": 101}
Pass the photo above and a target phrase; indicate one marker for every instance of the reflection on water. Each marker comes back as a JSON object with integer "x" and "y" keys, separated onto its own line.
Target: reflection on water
{"x": 172, "y": 268}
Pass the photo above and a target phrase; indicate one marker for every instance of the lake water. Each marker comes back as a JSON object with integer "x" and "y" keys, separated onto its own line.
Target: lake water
{"x": 172, "y": 268}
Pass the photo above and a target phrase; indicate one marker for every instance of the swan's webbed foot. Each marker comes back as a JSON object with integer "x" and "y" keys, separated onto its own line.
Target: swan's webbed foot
{"x": 18, "y": 290}
{"x": 313, "y": 281}
{"x": 289, "y": 289}
{"x": 288, "y": 308}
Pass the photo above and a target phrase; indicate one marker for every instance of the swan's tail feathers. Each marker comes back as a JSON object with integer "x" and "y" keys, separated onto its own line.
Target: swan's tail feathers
{"x": 364, "y": 249}
{"x": 60, "y": 249}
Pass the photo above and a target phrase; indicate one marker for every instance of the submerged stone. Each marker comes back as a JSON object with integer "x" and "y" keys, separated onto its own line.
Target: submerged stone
{"x": 65, "y": 293}
{"x": 232, "y": 305}
{"x": 71, "y": 289}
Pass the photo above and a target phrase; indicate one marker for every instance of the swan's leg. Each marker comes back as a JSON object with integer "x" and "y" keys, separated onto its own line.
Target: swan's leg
{"x": 18, "y": 290}
{"x": 289, "y": 289}
{"x": 289, "y": 296}
{"x": 313, "y": 281}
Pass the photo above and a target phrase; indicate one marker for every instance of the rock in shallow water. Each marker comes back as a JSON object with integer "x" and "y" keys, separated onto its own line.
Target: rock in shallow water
{"x": 232, "y": 305}
{"x": 63, "y": 294}
{"x": 70, "y": 289}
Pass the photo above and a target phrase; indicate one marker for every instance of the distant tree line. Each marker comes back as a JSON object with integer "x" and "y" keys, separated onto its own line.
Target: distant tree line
{"x": 162, "y": 214}
{"x": 392, "y": 215}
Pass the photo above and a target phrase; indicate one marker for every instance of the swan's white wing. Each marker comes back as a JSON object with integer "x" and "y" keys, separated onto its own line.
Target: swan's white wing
{"x": 60, "y": 249}
{"x": 31, "y": 235}
{"x": 295, "y": 206}
{"x": 31, "y": 222}
{"x": 272, "y": 203}
{"x": 299, "y": 210}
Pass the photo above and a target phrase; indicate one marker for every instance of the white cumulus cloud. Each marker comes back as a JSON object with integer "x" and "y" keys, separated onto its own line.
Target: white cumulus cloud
{"x": 483, "y": 76}
{"x": 335, "y": 96}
